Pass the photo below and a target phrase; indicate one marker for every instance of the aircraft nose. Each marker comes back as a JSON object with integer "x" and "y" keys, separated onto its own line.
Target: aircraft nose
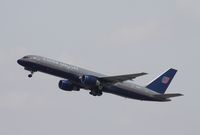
{"x": 20, "y": 61}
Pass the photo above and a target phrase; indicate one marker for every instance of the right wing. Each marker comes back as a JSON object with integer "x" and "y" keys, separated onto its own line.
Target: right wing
{"x": 120, "y": 78}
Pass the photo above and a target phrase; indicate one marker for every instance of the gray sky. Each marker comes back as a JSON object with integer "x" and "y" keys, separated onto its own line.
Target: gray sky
{"x": 109, "y": 36}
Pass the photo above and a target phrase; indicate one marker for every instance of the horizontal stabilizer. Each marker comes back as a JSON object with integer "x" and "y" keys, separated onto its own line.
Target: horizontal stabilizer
{"x": 171, "y": 95}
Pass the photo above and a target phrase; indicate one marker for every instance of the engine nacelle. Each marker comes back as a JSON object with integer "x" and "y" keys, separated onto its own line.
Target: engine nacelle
{"x": 67, "y": 85}
{"x": 90, "y": 81}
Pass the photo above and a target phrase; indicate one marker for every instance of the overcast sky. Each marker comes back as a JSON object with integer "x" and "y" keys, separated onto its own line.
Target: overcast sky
{"x": 108, "y": 36}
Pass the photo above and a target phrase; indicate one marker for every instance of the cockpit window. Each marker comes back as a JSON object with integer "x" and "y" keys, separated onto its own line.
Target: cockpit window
{"x": 25, "y": 57}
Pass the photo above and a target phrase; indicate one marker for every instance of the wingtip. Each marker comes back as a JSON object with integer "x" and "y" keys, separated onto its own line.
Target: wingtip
{"x": 181, "y": 94}
{"x": 144, "y": 73}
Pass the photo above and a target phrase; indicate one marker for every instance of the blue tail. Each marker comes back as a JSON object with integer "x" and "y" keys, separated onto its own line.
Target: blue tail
{"x": 161, "y": 83}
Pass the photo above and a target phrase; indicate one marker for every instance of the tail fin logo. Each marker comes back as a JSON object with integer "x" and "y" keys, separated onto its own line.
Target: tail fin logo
{"x": 165, "y": 80}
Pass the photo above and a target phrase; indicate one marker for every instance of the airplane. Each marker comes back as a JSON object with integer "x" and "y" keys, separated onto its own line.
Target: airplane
{"x": 76, "y": 78}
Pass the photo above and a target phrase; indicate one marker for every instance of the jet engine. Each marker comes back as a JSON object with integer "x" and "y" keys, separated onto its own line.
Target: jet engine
{"x": 67, "y": 85}
{"x": 90, "y": 81}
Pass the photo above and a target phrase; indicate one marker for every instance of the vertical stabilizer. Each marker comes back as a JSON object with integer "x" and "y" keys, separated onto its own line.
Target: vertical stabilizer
{"x": 161, "y": 83}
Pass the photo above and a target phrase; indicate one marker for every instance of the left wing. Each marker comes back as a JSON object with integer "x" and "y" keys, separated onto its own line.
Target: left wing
{"x": 120, "y": 78}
